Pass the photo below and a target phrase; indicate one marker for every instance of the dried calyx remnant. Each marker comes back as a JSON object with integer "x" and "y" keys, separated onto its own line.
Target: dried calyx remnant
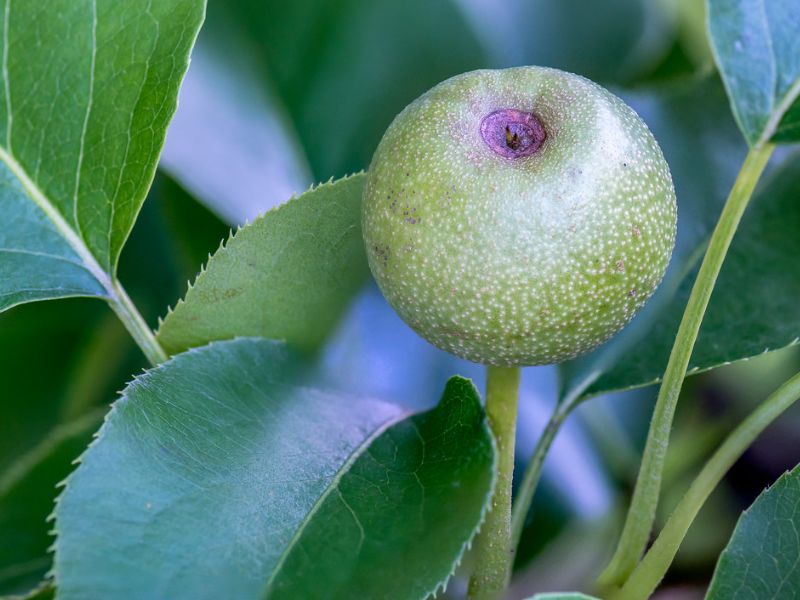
{"x": 512, "y": 133}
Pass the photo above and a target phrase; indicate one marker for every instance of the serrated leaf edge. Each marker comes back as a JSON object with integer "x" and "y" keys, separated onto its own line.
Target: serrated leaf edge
{"x": 235, "y": 231}
{"x": 785, "y": 475}
{"x": 123, "y": 397}
{"x": 441, "y": 587}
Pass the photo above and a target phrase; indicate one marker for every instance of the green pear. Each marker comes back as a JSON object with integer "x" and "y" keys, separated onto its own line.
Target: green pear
{"x": 518, "y": 217}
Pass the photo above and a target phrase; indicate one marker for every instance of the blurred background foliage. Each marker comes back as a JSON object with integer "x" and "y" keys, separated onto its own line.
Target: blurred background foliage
{"x": 283, "y": 94}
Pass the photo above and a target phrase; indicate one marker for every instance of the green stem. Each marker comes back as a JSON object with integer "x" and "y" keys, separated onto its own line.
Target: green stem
{"x": 533, "y": 472}
{"x": 129, "y": 315}
{"x": 641, "y": 514}
{"x": 654, "y": 565}
{"x": 493, "y": 551}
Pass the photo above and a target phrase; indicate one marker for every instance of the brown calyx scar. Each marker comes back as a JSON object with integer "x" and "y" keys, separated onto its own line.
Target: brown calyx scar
{"x": 512, "y": 133}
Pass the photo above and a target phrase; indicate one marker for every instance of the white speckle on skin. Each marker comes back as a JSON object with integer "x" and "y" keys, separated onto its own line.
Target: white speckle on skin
{"x": 521, "y": 261}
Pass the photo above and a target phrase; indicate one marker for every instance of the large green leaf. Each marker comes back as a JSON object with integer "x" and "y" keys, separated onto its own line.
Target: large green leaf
{"x": 289, "y": 275}
{"x": 242, "y": 480}
{"x": 26, "y": 501}
{"x": 756, "y": 44}
{"x": 88, "y": 88}
{"x": 762, "y": 559}
{"x": 87, "y": 356}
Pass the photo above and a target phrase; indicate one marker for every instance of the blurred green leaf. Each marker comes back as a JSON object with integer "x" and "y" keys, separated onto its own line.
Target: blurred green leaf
{"x": 690, "y": 115}
{"x": 46, "y": 591}
{"x": 81, "y": 127}
{"x": 241, "y": 478}
{"x": 762, "y": 559}
{"x": 289, "y": 275}
{"x": 608, "y": 41}
{"x": 562, "y": 596}
{"x": 753, "y": 308}
{"x": 56, "y": 340}
{"x": 26, "y": 501}
{"x": 231, "y": 142}
{"x": 756, "y": 44}
{"x": 344, "y": 68}
{"x": 189, "y": 234}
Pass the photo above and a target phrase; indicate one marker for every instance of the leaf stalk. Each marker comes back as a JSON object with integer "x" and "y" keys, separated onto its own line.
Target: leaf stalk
{"x": 133, "y": 321}
{"x": 659, "y": 557}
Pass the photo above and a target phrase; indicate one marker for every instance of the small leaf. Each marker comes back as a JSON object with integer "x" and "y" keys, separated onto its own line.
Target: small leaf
{"x": 27, "y": 492}
{"x": 289, "y": 275}
{"x": 242, "y": 480}
{"x": 81, "y": 128}
{"x": 756, "y": 44}
{"x": 762, "y": 559}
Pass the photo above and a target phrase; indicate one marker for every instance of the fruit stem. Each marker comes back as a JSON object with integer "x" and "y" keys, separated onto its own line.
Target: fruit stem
{"x": 641, "y": 514}
{"x": 127, "y": 312}
{"x": 654, "y": 565}
{"x": 494, "y": 555}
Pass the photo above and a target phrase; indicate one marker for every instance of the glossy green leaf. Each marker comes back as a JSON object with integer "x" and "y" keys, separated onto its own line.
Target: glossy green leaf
{"x": 289, "y": 275}
{"x": 87, "y": 356}
{"x": 26, "y": 502}
{"x": 762, "y": 559}
{"x": 756, "y": 44}
{"x": 88, "y": 88}
{"x": 244, "y": 480}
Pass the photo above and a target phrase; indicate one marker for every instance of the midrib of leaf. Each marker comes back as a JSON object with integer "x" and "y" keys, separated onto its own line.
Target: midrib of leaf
{"x": 47, "y": 207}
{"x": 778, "y": 110}
{"x": 6, "y": 85}
{"x": 778, "y": 113}
{"x": 334, "y": 486}
{"x": 84, "y": 126}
